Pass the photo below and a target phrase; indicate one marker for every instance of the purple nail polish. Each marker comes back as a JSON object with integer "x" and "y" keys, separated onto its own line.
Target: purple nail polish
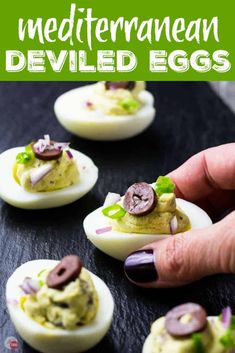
{"x": 139, "y": 266}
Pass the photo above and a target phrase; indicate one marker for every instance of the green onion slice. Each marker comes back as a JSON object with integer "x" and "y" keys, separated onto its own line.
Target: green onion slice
{"x": 41, "y": 272}
{"x": 129, "y": 104}
{"x": 164, "y": 185}
{"x": 115, "y": 211}
{"x": 197, "y": 342}
{"x": 23, "y": 158}
{"x": 228, "y": 339}
{"x": 29, "y": 149}
{"x": 26, "y": 156}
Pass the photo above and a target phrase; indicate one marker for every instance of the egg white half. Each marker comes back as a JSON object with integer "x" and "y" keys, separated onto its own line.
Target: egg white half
{"x": 16, "y": 195}
{"x": 57, "y": 340}
{"x": 119, "y": 244}
{"x": 94, "y": 125}
{"x": 148, "y": 344}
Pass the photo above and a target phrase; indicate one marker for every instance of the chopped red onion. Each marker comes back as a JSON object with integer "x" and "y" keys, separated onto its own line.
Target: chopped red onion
{"x": 47, "y": 139}
{"x": 111, "y": 199}
{"x": 103, "y": 230}
{"x": 226, "y": 317}
{"x": 30, "y": 286}
{"x": 173, "y": 225}
{"x": 40, "y": 145}
{"x": 69, "y": 153}
{"x": 61, "y": 146}
{"x": 39, "y": 173}
{"x": 46, "y": 144}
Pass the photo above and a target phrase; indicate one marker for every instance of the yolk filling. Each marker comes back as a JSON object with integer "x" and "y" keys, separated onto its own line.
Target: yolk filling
{"x": 74, "y": 306}
{"x": 116, "y": 102}
{"x": 156, "y": 222}
{"x": 63, "y": 174}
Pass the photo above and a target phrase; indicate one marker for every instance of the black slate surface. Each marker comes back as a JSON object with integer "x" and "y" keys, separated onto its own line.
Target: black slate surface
{"x": 190, "y": 117}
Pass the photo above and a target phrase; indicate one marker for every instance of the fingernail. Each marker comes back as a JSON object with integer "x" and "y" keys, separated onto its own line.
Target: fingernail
{"x": 140, "y": 267}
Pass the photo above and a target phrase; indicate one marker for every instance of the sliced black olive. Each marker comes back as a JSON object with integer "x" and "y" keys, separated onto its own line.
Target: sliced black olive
{"x": 140, "y": 199}
{"x": 65, "y": 272}
{"x": 113, "y": 85}
{"x": 196, "y": 322}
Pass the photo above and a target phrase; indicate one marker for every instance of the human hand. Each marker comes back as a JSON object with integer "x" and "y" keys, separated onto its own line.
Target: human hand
{"x": 207, "y": 179}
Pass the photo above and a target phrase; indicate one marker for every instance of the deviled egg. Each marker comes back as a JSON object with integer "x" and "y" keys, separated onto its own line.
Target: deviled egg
{"x": 45, "y": 174}
{"x": 145, "y": 214}
{"x": 105, "y": 111}
{"x": 187, "y": 329}
{"x": 59, "y": 307}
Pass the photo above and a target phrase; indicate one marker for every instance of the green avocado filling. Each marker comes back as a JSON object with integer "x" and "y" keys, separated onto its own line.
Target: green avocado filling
{"x": 208, "y": 341}
{"x": 156, "y": 222}
{"x": 64, "y": 172}
{"x": 74, "y": 306}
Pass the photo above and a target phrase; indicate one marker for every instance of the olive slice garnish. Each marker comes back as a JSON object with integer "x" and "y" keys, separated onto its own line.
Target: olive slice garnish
{"x": 47, "y": 154}
{"x": 65, "y": 272}
{"x": 140, "y": 199}
{"x": 113, "y": 85}
{"x": 195, "y": 322}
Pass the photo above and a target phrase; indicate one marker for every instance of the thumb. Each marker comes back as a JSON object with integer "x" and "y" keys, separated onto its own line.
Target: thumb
{"x": 185, "y": 257}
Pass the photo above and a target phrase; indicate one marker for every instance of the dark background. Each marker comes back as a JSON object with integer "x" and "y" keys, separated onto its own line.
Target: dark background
{"x": 190, "y": 117}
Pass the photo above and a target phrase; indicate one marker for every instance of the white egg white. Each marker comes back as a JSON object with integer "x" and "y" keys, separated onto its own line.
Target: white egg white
{"x": 57, "y": 340}
{"x": 119, "y": 244}
{"x": 94, "y": 125}
{"x": 148, "y": 344}
{"x": 16, "y": 195}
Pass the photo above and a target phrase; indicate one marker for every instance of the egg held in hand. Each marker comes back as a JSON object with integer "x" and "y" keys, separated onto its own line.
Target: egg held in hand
{"x": 151, "y": 213}
{"x": 106, "y": 111}
{"x": 48, "y": 175}
{"x": 57, "y": 310}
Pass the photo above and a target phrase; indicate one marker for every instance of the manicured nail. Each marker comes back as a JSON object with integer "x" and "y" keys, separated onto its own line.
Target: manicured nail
{"x": 139, "y": 266}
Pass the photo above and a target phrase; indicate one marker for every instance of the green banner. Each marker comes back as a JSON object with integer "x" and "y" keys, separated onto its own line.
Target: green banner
{"x": 124, "y": 40}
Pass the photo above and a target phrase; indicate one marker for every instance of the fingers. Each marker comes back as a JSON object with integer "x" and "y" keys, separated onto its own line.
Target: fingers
{"x": 185, "y": 257}
{"x": 207, "y": 178}
{"x": 207, "y": 172}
